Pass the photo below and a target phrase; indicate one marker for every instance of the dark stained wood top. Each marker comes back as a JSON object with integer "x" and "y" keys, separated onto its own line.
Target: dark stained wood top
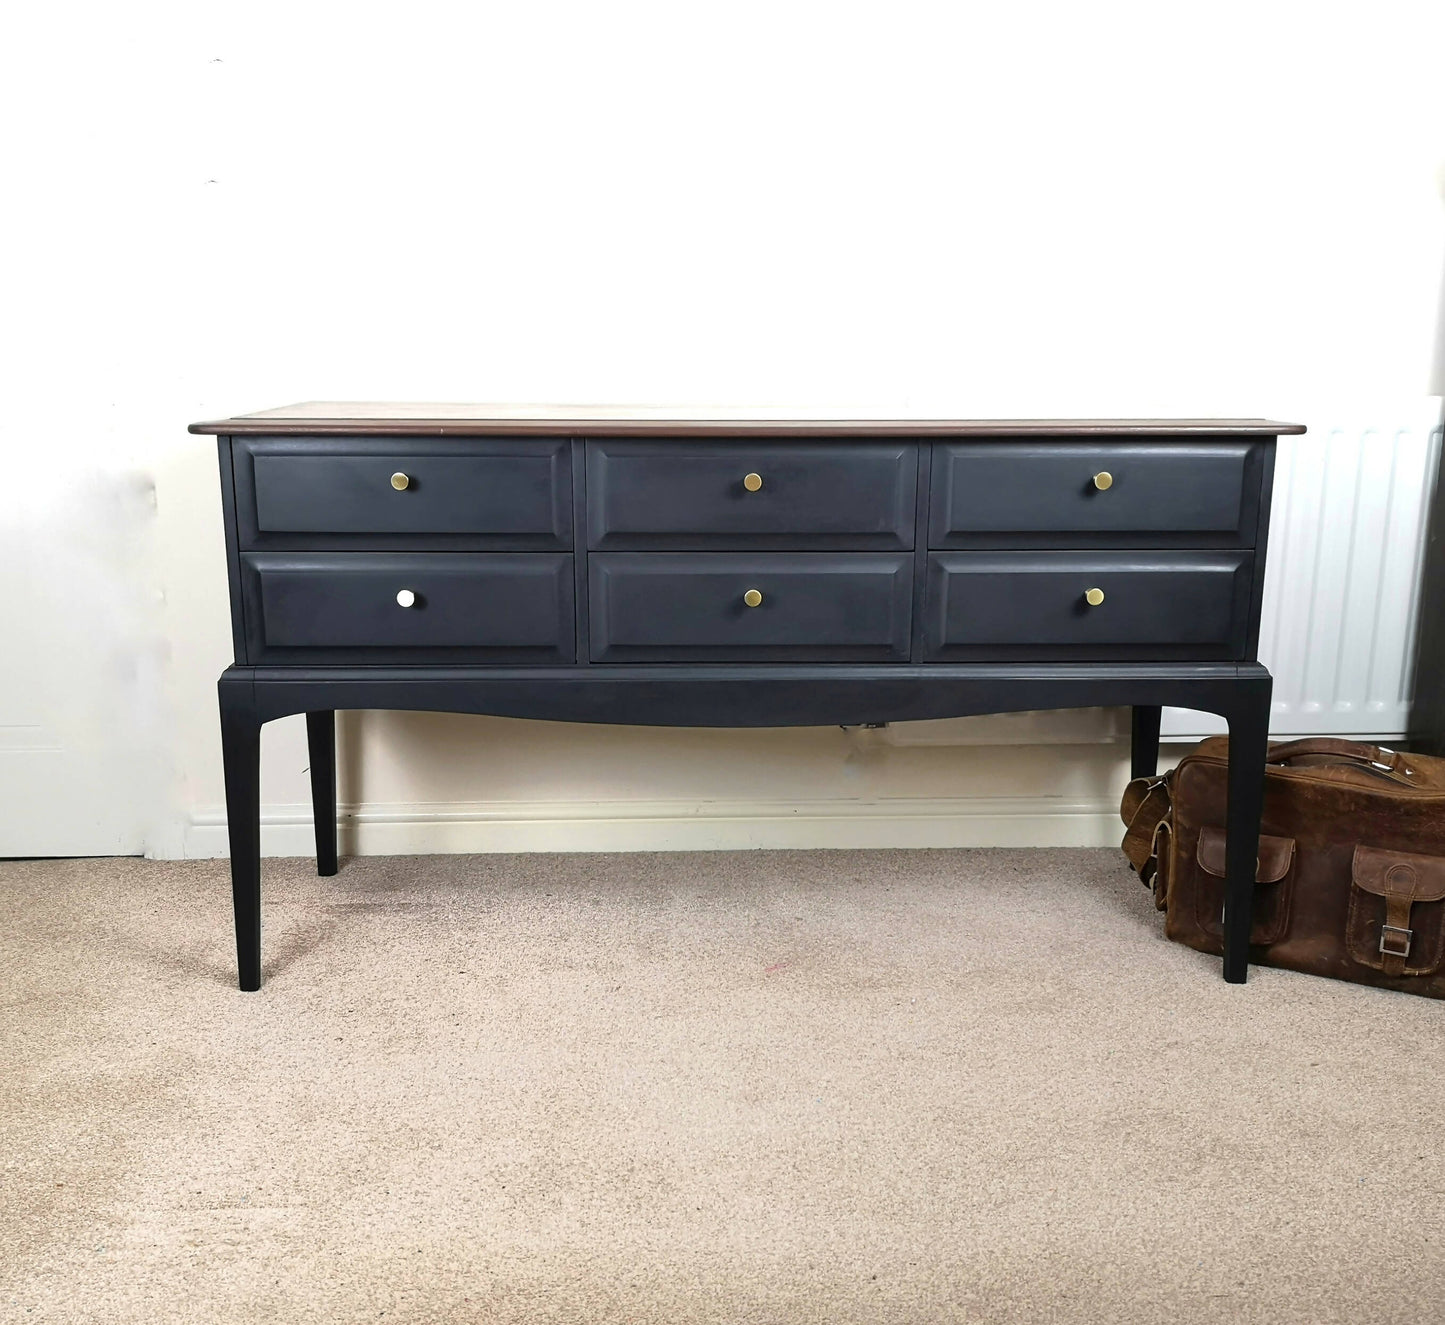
{"x": 360, "y": 419}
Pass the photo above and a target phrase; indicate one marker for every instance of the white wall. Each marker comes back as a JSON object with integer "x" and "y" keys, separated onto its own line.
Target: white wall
{"x": 976, "y": 210}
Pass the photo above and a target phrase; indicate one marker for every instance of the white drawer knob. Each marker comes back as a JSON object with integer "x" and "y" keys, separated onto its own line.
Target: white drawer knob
{"x": 405, "y": 598}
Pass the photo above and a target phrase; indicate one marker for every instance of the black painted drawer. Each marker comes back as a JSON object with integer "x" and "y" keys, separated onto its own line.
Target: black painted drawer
{"x": 671, "y": 607}
{"x": 686, "y": 494}
{"x": 339, "y": 492}
{"x": 1022, "y": 605}
{"x": 343, "y": 606}
{"x": 1032, "y": 493}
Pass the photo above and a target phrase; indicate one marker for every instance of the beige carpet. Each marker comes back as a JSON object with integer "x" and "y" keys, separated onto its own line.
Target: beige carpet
{"x": 772, "y": 1087}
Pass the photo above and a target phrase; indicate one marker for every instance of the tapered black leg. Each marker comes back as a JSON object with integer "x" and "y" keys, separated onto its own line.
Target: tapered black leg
{"x": 1248, "y": 749}
{"x": 321, "y": 742}
{"x": 241, "y": 754}
{"x": 1144, "y": 741}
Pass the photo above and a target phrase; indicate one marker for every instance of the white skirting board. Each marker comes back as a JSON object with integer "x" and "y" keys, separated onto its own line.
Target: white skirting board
{"x": 387, "y": 830}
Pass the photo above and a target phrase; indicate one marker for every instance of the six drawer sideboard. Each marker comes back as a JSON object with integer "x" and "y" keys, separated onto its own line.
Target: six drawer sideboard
{"x": 642, "y": 567}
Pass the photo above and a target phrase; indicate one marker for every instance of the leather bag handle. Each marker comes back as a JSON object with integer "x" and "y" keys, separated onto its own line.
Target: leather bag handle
{"x": 1329, "y": 749}
{"x": 1332, "y": 745}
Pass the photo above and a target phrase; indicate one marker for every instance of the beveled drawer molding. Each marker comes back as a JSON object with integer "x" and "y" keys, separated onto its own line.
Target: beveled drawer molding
{"x": 694, "y": 494}
{"x": 1088, "y": 605}
{"x": 429, "y": 607}
{"x": 362, "y": 492}
{"x": 1115, "y": 492}
{"x": 751, "y": 606}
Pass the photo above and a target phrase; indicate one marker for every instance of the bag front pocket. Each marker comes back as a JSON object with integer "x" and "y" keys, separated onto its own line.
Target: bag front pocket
{"x": 1273, "y": 887}
{"x": 1397, "y": 911}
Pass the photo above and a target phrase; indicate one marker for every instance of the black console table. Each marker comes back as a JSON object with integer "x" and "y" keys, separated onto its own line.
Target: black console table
{"x": 627, "y": 567}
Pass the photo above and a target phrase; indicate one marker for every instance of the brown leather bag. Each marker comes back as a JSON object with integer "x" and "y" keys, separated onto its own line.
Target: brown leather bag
{"x": 1351, "y": 876}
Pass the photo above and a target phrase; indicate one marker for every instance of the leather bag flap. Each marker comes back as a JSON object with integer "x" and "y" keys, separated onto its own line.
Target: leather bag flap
{"x": 1396, "y": 922}
{"x": 1399, "y": 874}
{"x": 1276, "y": 855}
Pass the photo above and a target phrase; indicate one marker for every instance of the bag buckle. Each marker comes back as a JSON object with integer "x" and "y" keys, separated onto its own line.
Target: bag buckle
{"x": 1387, "y": 936}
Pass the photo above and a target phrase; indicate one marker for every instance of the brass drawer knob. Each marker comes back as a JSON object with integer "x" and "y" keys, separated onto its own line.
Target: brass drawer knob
{"x": 752, "y": 482}
{"x": 1093, "y": 597}
{"x": 1103, "y": 480}
{"x": 400, "y": 481}
{"x": 405, "y": 598}
{"x": 753, "y": 598}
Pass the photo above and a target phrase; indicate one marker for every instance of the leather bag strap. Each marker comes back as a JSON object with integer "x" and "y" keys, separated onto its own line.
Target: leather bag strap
{"x": 1397, "y": 923}
{"x": 1149, "y": 806}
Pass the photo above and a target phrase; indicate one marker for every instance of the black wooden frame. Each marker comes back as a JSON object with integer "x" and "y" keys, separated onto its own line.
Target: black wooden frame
{"x": 731, "y": 695}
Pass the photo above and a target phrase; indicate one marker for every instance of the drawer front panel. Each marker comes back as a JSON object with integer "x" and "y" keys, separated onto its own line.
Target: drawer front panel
{"x": 667, "y": 607}
{"x": 475, "y": 607}
{"x": 1001, "y": 494}
{"x": 339, "y": 492}
{"x": 753, "y": 495}
{"x": 1033, "y": 605}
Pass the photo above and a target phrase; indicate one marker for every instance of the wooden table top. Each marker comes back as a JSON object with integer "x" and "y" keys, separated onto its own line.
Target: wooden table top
{"x": 385, "y": 418}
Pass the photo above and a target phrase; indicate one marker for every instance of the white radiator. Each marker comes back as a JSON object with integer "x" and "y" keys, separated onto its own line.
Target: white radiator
{"x": 1347, "y": 536}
